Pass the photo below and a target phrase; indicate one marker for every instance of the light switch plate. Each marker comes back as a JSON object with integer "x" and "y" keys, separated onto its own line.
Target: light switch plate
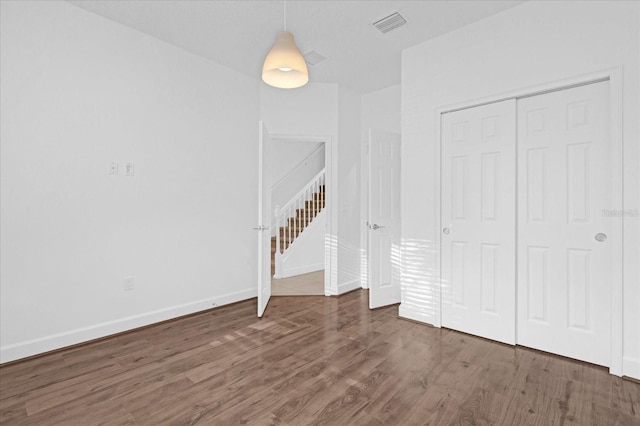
{"x": 113, "y": 168}
{"x": 130, "y": 169}
{"x": 128, "y": 284}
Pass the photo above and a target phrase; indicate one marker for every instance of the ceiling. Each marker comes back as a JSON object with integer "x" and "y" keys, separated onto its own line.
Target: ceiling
{"x": 239, "y": 33}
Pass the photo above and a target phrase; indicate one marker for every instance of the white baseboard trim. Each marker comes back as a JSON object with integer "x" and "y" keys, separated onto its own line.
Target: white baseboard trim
{"x": 57, "y": 341}
{"x": 349, "y": 286}
{"x": 299, "y": 270}
{"x": 408, "y": 313}
{"x": 631, "y": 367}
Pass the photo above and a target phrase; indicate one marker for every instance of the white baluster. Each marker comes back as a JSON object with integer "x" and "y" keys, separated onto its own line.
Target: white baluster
{"x": 311, "y": 201}
{"x": 289, "y": 227}
{"x": 278, "y": 235}
{"x": 308, "y": 209}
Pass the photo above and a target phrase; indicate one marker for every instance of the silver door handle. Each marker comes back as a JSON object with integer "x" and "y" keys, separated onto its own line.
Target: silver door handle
{"x": 600, "y": 237}
{"x": 260, "y": 228}
{"x": 375, "y": 226}
{"x": 446, "y": 231}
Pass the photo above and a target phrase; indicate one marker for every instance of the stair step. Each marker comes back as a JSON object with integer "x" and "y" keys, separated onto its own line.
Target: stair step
{"x": 309, "y": 210}
{"x": 310, "y": 205}
{"x": 297, "y": 224}
{"x": 300, "y": 221}
{"x": 286, "y": 239}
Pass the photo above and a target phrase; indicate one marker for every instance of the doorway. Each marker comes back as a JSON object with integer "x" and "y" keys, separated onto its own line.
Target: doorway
{"x": 299, "y": 222}
{"x": 267, "y": 226}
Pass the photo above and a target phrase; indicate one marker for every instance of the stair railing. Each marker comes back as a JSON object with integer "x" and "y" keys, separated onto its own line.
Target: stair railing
{"x": 291, "y": 219}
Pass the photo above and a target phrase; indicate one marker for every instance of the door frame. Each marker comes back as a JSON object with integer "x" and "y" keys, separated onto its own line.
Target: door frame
{"x": 615, "y": 78}
{"x": 364, "y": 211}
{"x": 331, "y": 184}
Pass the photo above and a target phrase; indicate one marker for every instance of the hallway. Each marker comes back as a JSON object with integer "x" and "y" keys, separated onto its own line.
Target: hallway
{"x": 311, "y": 284}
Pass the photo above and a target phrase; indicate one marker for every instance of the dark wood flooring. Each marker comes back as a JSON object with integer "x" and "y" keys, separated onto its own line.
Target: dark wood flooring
{"x": 309, "y": 361}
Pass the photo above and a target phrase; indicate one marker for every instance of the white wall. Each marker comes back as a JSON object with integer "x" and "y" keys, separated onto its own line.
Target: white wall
{"x": 79, "y": 91}
{"x": 306, "y": 254}
{"x": 308, "y": 110}
{"x": 287, "y": 155}
{"x": 534, "y": 43}
{"x": 293, "y": 165}
{"x": 381, "y": 110}
{"x": 378, "y": 110}
{"x": 349, "y": 197}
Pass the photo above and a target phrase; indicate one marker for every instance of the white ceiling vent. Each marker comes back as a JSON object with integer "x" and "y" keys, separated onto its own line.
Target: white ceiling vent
{"x": 390, "y": 22}
{"x": 314, "y": 58}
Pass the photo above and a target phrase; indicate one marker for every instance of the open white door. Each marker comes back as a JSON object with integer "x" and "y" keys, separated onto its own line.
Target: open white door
{"x": 383, "y": 254}
{"x": 264, "y": 219}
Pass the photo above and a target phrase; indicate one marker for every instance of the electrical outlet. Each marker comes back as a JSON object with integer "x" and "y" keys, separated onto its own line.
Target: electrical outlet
{"x": 113, "y": 168}
{"x": 128, "y": 284}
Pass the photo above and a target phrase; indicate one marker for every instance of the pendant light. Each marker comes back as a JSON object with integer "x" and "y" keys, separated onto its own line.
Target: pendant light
{"x": 284, "y": 67}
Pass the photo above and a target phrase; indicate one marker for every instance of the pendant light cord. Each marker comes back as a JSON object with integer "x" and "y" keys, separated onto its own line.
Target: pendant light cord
{"x": 285, "y": 15}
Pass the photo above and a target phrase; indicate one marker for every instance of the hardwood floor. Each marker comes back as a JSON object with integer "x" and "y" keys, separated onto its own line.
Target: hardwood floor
{"x": 310, "y": 360}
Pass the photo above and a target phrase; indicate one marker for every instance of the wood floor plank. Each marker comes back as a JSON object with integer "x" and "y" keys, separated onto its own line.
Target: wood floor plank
{"x": 310, "y": 361}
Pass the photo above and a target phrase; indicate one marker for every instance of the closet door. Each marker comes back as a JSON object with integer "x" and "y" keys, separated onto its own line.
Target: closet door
{"x": 478, "y": 220}
{"x": 564, "y": 257}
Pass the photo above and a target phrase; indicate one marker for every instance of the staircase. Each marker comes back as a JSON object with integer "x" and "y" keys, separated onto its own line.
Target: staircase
{"x": 296, "y": 216}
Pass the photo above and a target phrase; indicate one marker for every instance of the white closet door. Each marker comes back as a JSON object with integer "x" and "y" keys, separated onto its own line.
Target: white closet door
{"x": 478, "y": 221}
{"x": 563, "y": 186}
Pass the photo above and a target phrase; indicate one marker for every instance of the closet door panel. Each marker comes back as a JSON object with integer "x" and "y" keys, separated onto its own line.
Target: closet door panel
{"x": 564, "y": 183}
{"x": 478, "y": 220}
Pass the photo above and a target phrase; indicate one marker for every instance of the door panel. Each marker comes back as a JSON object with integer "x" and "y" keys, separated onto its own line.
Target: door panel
{"x": 264, "y": 219}
{"x": 383, "y": 261}
{"x": 564, "y": 183}
{"x": 478, "y": 212}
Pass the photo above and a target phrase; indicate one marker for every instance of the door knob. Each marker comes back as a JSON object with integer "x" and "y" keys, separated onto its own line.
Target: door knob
{"x": 375, "y": 226}
{"x": 446, "y": 231}
{"x": 600, "y": 237}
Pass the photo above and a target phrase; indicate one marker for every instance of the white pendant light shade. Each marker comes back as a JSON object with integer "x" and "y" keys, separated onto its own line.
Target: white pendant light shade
{"x": 284, "y": 67}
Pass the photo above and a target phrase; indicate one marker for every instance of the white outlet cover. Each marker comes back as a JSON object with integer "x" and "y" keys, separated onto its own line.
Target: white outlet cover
{"x": 113, "y": 168}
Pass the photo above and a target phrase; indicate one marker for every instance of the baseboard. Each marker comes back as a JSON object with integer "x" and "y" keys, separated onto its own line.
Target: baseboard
{"x": 57, "y": 341}
{"x": 408, "y": 313}
{"x": 631, "y": 367}
{"x": 348, "y": 286}
{"x": 299, "y": 270}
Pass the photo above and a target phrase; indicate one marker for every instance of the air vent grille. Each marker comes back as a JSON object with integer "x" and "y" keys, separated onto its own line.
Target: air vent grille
{"x": 390, "y": 22}
{"x": 314, "y": 58}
